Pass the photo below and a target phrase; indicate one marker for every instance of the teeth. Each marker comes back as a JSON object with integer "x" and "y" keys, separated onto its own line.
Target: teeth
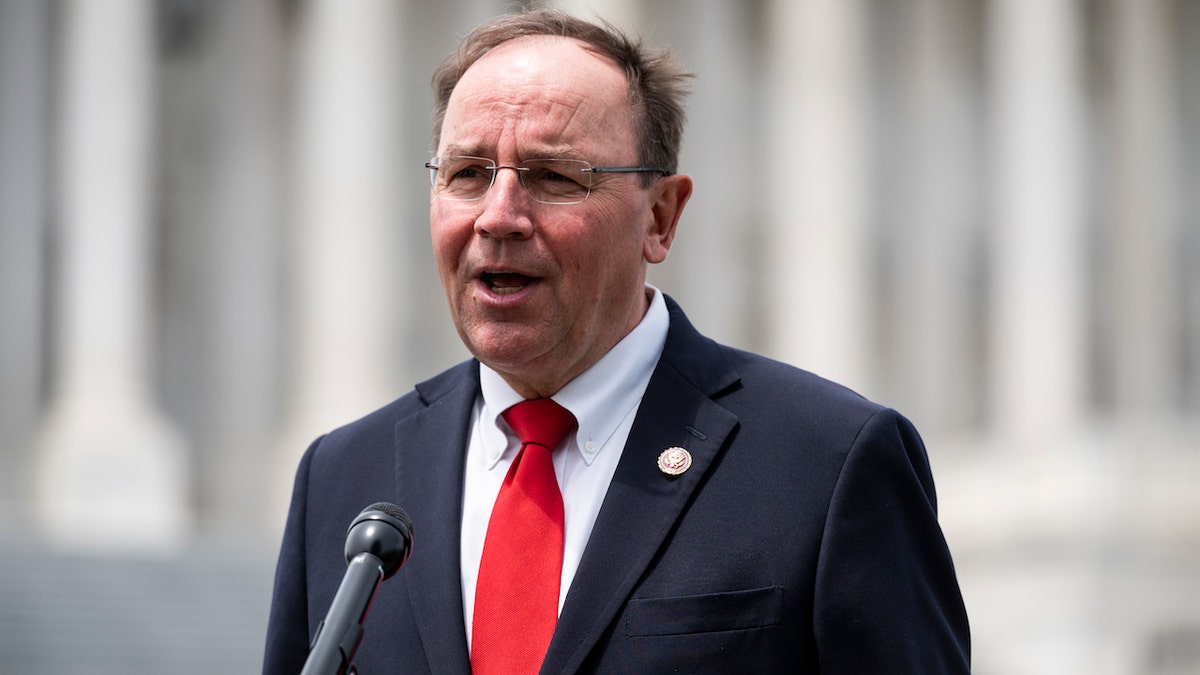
{"x": 503, "y": 283}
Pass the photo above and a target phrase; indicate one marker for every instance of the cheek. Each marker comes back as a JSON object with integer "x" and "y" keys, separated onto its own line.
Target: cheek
{"x": 622, "y": 239}
{"x": 588, "y": 245}
{"x": 623, "y": 215}
{"x": 603, "y": 252}
{"x": 449, "y": 237}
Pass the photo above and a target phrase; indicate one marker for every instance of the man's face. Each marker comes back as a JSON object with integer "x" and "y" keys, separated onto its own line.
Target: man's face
{"x": 540, "y": 292}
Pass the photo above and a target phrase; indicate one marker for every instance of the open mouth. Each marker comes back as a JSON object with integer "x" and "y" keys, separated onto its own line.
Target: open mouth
{"x": 505, "y": 283}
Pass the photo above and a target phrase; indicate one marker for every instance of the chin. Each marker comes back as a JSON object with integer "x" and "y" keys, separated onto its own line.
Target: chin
{"x": 503, "y": 348}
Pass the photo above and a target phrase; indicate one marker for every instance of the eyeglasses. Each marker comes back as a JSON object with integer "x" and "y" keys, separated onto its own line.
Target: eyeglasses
{"x": 548, "y": 181}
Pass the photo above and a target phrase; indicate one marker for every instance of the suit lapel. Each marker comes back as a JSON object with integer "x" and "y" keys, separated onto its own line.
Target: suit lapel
{"x": 430, "y": 455}
{"x": 643, "y": 504}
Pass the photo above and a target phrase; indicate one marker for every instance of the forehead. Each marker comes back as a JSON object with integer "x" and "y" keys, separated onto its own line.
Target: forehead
{"x": 540, "y": 92}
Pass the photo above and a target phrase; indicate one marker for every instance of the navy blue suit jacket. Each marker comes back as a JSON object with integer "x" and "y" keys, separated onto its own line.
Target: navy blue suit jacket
{"x": 804, "y": 538}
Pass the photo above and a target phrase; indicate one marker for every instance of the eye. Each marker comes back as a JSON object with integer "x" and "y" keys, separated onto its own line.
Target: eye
{"x": 558, "y": 173}
{"x": 463, "y": 177}
{"x": 550, "y": 176}
{"x": 468, "y": 172}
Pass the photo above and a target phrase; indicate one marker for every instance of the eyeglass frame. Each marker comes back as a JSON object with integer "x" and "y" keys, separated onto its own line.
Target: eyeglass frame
{"x": 495, "y": 169}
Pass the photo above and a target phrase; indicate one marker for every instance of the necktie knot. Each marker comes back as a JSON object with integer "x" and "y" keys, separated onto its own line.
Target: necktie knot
{"x": 540, "y": 421}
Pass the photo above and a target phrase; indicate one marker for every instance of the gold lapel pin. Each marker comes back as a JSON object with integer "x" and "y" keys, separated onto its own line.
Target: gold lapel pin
{"x": 674, "y": 461}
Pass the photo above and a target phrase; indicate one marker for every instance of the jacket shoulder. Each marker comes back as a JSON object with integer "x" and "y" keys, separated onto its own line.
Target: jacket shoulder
{"x": 376, "y": 429}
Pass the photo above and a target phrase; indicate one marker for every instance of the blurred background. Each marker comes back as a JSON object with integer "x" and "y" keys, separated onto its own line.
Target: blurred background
{"x": 214, "y": 246}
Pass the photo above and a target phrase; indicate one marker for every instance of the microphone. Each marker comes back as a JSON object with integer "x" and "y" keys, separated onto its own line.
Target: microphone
{"x": 377, "y": 544}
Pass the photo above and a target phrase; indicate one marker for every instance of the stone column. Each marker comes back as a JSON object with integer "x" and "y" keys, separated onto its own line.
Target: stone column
{"x": 346, "y": 285}
{"x": 1039, "y": 323}
{"x": 934, "y": 184}
{"x": 1189, "y": 144}
{"x": 1143, "y": 289}
{"x": 24, "y": 82}
{"x": 1039, "y": 342}
{"x": 811, "y": 164}
{"x": 223, "y": 104}
{"x": 112, "y": 467}
{"x": 710, "y": 268}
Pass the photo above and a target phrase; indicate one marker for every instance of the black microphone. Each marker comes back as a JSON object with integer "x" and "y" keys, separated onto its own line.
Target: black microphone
{"x": 377, "y": 544}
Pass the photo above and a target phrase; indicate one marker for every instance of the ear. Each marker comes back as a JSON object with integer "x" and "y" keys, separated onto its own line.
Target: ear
{"x": 671, "y": 193}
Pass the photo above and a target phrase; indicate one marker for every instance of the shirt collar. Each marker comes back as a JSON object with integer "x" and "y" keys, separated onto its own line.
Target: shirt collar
{"x": 600, "y": 397}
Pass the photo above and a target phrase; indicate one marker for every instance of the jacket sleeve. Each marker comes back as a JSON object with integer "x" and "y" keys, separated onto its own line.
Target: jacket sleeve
{"x": 887, "y": 599}
{"x": 287, "y": 627}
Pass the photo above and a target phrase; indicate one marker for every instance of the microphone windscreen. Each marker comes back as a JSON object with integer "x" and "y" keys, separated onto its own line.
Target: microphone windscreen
{"x": 383, "y": 530}
{"x": 392, "y": 510}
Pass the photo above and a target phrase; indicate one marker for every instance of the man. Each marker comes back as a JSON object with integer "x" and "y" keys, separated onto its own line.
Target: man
{"x": 719, "y": 512}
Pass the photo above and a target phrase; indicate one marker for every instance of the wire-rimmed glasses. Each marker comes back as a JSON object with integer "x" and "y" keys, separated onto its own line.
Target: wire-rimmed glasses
{"x": 548, "y": 181}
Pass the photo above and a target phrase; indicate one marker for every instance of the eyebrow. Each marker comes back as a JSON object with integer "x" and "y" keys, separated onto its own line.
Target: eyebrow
{"x": 473, "y": 151}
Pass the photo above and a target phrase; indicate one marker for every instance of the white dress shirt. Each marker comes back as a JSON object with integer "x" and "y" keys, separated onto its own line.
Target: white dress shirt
{"x": 604, "y": 400}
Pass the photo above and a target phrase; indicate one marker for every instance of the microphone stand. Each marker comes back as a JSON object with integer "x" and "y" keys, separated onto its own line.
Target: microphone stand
{"x": 333, "y": 654}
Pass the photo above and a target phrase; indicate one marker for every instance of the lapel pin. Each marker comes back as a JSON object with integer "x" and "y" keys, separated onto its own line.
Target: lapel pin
{"x": 674, "y": 461}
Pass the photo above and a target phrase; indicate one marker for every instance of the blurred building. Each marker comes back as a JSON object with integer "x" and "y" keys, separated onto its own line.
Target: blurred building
{"x": 214, "y": 247}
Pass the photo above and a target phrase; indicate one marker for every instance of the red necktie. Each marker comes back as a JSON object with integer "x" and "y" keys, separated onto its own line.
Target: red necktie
{"x": 516, "y": 596}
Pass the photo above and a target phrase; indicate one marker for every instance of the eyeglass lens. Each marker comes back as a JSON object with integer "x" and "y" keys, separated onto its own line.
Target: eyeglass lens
{"x": 550, "y": 181}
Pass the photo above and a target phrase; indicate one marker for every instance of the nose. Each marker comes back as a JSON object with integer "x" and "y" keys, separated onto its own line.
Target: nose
{"x": 507, "y": 208}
